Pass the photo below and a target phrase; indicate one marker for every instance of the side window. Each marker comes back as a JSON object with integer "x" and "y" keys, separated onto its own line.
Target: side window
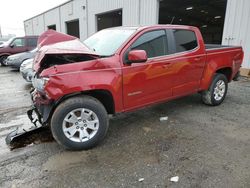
{"x": 154, "y": 43}
{"x": 185, "y": 40}
{"x": 32, "y": 42}
{"x": 19, "y": 42}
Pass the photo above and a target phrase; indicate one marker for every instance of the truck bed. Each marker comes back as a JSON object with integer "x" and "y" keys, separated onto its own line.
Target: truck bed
{"x": 217, "y": 46}
{"x": 224, "y": 56}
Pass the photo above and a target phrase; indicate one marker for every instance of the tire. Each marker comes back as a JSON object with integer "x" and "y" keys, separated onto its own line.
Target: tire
{"x": 215, "y": 95}
{"x": 64, "y": 124}
{"x": 2, "y": 59}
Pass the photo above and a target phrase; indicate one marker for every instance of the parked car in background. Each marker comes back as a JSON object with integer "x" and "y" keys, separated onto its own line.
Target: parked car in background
{"x": 26, "y": 70}
{"x": 17, "y": 45}
{"x": 15, "y": 61}
{"x": 1, "y": 42}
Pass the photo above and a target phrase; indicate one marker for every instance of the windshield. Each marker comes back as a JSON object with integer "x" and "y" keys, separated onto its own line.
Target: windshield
{"x": 107, "y": 42}
{"x": 7, "y": 43}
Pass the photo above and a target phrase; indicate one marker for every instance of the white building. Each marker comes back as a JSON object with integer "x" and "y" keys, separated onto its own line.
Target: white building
{"x": 224, "y": 22}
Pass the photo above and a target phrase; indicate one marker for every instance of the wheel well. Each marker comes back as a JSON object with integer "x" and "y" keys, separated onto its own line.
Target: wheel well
{"x": 104, "y": 96}
{"x": 25, "y": 60}
{"x": 4, "y": 55}
{"x": 226, "y": 71}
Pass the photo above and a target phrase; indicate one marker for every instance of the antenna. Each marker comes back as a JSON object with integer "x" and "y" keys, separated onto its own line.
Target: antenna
{"x": 172, "y": 20}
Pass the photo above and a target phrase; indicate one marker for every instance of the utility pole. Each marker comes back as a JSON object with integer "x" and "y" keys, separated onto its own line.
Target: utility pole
{"x": 1, "y": 36}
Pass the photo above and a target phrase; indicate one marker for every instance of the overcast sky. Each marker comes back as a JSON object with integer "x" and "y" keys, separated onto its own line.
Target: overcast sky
{"x": 14, "y": 12}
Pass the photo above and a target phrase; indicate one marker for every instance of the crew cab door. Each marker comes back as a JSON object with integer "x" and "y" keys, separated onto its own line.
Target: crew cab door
{"x": 18, "y": 45}
{"x": 147, "y": 82}
{"x": 187, "y": 61}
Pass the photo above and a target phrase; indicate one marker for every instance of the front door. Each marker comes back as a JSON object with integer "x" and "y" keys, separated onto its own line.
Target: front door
{"x": 148, "y": 82}
{"x": 18, "y": 46}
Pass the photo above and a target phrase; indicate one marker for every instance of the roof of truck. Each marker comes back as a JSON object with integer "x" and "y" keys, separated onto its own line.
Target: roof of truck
{"x": 153, "y": 26}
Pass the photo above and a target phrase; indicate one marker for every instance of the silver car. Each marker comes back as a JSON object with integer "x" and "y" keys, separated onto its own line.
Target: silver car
{"x": 15, "y": 61}
{"x": 26, "y": 70}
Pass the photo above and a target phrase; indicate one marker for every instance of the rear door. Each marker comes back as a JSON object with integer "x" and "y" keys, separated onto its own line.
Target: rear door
{"x": 148, "y": 82}
{"x": 31, "y": 43}
{"x": 187, "y": 61}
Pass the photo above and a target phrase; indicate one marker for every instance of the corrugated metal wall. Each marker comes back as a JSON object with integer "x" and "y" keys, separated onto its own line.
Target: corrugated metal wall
{"x": 130, "y": 11}
{"x": 58, "y": 16}
{"x": 237, "y": 27}
{"x": 138, "y": 12}
{"x": 135, "y": 12}
{"x": 149, "y": 12}
{"x": 38, "y": 24}
{"x": 72, "y": 11}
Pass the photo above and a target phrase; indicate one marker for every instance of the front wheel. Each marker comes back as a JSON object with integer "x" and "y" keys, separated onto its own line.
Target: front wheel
{"x": 3, "y": 60}
{"x": 217, "y": 91}
{"x": 79, "y": 123}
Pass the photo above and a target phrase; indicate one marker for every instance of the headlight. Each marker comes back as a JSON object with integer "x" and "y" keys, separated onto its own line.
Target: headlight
{"x": 29, "y": 66}
{"x": 39, "y": 83}
{"x": 21, "y": 68}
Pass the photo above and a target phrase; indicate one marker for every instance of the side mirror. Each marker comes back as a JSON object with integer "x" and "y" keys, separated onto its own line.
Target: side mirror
{"x": 137, "y": 56}
{"x": 12, "y": 45}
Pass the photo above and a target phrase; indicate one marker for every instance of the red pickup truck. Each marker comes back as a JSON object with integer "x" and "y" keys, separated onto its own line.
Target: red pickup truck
{"x": 122, "y": 69}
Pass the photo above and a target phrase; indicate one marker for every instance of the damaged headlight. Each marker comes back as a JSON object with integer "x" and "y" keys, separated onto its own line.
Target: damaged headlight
{"x": 39, "y": 83}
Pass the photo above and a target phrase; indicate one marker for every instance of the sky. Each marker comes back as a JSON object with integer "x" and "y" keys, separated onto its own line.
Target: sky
{"x": 14, "y": 12}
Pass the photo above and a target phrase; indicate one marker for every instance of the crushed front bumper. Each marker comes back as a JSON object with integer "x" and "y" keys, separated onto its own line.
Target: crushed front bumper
{"x": 35, "y": 118}
{"x": 38, "y": 115}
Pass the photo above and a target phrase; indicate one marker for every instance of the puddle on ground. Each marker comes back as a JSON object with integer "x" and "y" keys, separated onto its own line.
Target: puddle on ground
{"x": 38, "y": 136}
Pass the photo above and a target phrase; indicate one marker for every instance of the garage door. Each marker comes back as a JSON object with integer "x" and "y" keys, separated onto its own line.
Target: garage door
{"x": 110, "y": 19}
{"x": 208, "y": 15}
{"x": 73, "y": 28}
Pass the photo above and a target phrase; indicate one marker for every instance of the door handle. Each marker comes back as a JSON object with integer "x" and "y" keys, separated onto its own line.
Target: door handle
{"x": 197, "y": 58}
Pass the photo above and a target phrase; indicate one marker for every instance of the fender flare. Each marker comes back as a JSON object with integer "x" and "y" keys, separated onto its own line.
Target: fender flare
{"x": 5, "y": 54}
{"x": 208, "y": 75}
{"x": 48, "y": 110}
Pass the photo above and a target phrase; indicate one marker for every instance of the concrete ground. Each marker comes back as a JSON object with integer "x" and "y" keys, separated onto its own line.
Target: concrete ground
{"x": 204, "y": 146}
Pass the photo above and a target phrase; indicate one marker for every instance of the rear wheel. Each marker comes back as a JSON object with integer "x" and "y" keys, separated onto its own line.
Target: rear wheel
{"x": 79, "y": 123}
{"x": 3, "y": 59}
{"x": 217, "y": 91}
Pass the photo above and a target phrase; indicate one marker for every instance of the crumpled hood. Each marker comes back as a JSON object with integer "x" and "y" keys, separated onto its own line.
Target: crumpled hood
{"x": 51, "y": 37}
{"x": 52, "y": 42}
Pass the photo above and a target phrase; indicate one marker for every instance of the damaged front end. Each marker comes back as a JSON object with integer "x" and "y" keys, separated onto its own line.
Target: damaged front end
{"x": 35, "y": 118}
{"x": 54, "y": 49}
{"x": 38, "y": 115}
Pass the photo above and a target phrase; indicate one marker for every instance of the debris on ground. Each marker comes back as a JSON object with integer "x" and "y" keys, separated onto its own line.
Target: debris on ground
{"x": 141, "y": 180}
{"x": 163, "y": 118}
{"x": 174, "y": 179}
{"x": 147, "y": 129}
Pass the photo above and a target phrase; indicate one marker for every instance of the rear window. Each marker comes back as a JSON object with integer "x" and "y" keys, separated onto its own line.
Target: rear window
{"x": 32, "y": 42}
{"x": 185, "y": 40}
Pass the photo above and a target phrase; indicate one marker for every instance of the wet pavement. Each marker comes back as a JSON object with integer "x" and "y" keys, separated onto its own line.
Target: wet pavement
{"x": 204, "y": 146}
